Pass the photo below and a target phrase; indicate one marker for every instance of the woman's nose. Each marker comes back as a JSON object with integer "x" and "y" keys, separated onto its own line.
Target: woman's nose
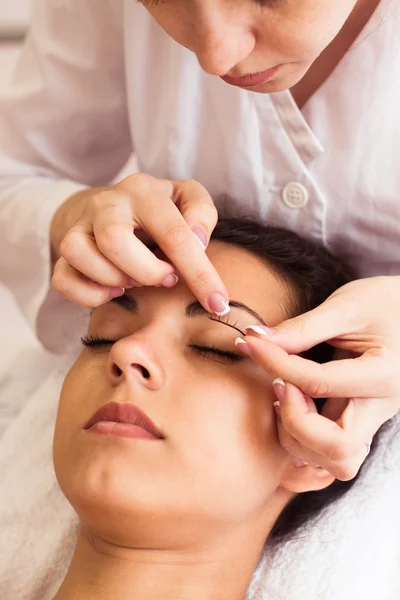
{"x": 134, "y": 360}
{"x": 219, "y": 49}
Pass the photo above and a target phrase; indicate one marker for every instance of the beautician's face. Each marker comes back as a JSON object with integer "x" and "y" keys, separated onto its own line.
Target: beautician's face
{"x": 240, "y": 37}
{"x": 220, "y": 460}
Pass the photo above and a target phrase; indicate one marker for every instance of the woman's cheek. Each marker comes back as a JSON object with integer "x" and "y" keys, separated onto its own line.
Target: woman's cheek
{"x": 245, "y": 401}
{"x": 79, "y": 391}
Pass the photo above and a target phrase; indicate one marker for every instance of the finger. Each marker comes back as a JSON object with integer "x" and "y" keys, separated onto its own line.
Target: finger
{"x": 166, "y": 225}
{"x": 74, "y": 286}
{"x": 334, "y": 407}
{"x": 331, "y": 319}
{"x": 290, "y": 444}
{"x": 302, "y": 456}
{"x": 197, "y": 208}
{"x": 113, "y": 229}
{"x": 364, "y": 376}
{"x": 79, "y": 249}
{"x": 287, "y": 441}
{"x": 340, "y": 451}
{"x": 364, "y": 416}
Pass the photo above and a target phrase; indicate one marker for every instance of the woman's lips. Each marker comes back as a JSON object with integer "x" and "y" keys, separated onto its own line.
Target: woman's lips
{"x": 123, "y": 420}
{"x": 253, "y": 79}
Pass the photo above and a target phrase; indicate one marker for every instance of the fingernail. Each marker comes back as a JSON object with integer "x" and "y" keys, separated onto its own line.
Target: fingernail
{"x": 116, "y": 292}
{"x": 133, "y": 283}
{"x": 259, "y": 329}
{"x": 300, "y": 463}
{"x": 170, "y": 280}
{"x": 279, "y": 388}
{"x": 201, "y": 236}
{"x": 277, "y": 407}
{"x": 244, "y": 347}
{"x": 218, "y": 304}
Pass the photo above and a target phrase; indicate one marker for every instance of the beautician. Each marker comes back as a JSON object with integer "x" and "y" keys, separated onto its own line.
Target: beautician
{"x": 293, "y": 105}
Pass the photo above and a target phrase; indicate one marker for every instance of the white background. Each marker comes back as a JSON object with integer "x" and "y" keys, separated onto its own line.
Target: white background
{"x": 15, "y": 12}
{"x": 14, "y": 332}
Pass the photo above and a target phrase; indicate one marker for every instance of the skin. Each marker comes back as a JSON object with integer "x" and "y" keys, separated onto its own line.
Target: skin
{"x": 186, "y": 516}
{"x": 368, "y": 332}
{"x": 245, "y": 36}
{"x": 308, "y": 38}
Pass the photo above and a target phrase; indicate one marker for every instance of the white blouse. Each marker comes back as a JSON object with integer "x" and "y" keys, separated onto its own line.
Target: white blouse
{"x": 100, "y": 79}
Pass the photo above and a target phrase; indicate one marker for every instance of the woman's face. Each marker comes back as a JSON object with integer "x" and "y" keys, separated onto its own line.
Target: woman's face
{"x": 220, "y": 461}
{"x": 241, "y": 37}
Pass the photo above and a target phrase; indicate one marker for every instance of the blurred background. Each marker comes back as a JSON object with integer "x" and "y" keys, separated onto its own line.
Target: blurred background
{"x": 14, "y": 21}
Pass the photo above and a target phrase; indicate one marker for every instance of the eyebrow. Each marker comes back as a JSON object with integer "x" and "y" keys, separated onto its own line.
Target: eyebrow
{"x": 193, "y": 309}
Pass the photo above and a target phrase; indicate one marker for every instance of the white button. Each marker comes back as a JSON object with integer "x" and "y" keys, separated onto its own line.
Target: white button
{"x": 295, "y": 195}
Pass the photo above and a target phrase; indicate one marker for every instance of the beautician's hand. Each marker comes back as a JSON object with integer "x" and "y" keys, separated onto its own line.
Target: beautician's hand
{"x": 362, "y": 317}
{"x": 98, "y": 241}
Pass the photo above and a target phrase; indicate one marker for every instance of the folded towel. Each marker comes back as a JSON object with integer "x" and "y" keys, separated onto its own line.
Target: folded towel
{"x": 352, "y": 551}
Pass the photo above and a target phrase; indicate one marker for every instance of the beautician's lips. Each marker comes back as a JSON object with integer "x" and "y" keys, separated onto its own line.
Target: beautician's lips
{"x": 123, "y": 420}
{"x": 253, "y": 79}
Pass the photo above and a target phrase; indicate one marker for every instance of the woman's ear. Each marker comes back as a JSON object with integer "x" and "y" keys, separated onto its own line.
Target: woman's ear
{"x": 306, "y": 478}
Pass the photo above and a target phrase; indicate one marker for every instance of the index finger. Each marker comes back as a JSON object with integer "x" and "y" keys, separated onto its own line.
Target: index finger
{"x": 365, "y": 376}
{"x": 168, "y": 228}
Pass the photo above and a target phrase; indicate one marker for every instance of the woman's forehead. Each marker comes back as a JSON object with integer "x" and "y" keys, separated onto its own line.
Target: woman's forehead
{"x": 241, "y": 271}
{"x": 250, "y": 280}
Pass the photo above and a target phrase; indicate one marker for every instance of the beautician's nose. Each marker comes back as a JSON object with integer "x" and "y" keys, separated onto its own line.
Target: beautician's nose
{"x": 134, "y": 360}
{"x": 220, "y": 47}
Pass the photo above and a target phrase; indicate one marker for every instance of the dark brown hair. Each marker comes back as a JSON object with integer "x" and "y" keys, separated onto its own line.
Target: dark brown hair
{"x": 313, "y": 274}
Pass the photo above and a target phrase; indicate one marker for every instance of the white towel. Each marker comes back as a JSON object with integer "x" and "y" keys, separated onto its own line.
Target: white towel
{"x": 353, "y": 551}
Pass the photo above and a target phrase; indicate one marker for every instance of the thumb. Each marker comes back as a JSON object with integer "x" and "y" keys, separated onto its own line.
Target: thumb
{"x": 301, "y": 333}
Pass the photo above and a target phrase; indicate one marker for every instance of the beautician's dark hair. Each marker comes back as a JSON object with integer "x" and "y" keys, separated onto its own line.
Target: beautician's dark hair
{"x": 312, "y": 275}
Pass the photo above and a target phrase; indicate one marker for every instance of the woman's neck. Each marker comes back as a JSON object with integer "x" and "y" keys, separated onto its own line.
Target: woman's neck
{"x": 102, "y": 571}
{"x": 333, "y": 54}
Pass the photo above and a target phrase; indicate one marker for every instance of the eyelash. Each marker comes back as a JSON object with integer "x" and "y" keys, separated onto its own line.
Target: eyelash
{"x": 152, "y": 3}
{"x": 212, "y": 352}
{"x": 228, "y": 323}
{"x": 95, "y": 341}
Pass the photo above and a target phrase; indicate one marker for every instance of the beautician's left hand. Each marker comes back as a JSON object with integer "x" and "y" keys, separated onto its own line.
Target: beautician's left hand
{"x": 362, "y": 317}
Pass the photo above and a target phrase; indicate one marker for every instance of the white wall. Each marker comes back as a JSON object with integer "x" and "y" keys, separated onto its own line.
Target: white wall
{"x": 14, "y": 332}
{"x": 15, "y": 12}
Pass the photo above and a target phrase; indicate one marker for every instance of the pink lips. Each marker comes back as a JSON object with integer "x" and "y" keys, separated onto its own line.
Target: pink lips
{"x": 123, "y": 420}
{"x": 253, "y": 79}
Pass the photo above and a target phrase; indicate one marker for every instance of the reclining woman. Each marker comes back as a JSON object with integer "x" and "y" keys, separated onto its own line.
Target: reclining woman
{"x": 166, "y": 442}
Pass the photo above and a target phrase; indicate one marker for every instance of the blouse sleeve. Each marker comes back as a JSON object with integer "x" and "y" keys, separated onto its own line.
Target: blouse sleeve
{"x": 63, "y": 127}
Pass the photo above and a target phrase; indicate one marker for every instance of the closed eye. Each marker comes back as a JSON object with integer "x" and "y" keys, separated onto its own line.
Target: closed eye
{"x": 91, "y": 341}
{"x": 95, "y": 341}
{"x": 216, "y": 353}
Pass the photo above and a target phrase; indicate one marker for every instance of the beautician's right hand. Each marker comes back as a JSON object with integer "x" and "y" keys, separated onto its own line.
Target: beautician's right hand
{"x": 98, "y": 241}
